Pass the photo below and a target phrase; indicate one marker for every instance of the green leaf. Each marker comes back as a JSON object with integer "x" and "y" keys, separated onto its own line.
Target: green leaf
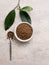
{"x": 9, "y": 20}
{"x": 27, "y": 8}
{"x": 24, "y": 16}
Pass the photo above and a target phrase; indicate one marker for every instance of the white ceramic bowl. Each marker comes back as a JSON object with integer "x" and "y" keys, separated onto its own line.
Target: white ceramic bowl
{"x": 18, "y": 37}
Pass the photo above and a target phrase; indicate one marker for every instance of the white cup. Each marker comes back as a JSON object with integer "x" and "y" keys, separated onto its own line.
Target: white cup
{"x": 18, "y": 37}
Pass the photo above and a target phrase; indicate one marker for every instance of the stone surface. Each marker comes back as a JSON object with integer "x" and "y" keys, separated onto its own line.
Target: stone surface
{"x": 36, "y": 51}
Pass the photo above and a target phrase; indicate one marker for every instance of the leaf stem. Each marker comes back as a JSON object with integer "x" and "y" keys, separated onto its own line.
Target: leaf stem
{"x": 18, "y": 5}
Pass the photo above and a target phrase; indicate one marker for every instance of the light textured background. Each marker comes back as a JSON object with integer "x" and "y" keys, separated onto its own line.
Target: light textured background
{"x": 36, "y": 51}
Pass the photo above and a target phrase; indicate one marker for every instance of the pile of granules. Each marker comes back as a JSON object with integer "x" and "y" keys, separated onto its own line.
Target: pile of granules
{"x": 24, "y": 31}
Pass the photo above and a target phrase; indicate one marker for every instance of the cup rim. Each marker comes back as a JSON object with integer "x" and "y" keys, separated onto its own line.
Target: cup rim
{"x": 18, "y": 37}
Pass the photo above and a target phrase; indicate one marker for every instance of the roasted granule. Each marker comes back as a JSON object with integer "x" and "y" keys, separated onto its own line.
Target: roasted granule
{"x": 24, "y": 31}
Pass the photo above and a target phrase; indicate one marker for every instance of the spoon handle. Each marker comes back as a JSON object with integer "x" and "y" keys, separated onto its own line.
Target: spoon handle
{"x": 10, "y": 49}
